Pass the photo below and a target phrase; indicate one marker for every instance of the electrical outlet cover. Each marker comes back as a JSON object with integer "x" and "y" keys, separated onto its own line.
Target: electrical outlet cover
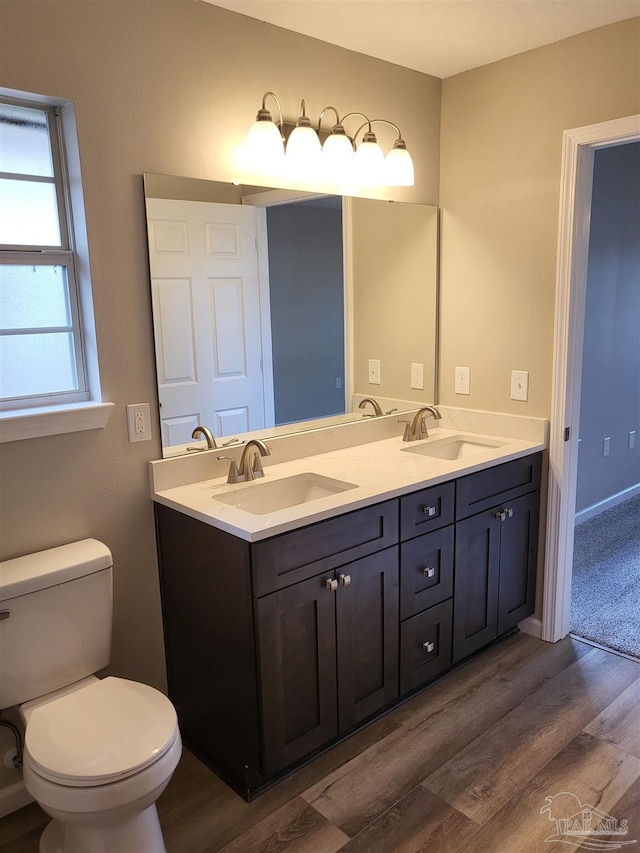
{"x": 462, "y": 380}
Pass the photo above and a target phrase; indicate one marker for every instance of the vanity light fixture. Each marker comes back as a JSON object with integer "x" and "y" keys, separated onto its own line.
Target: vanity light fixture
{"x": 340, "y": 159}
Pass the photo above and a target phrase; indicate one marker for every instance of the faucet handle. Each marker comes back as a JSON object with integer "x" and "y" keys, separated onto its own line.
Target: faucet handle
{"x": 232, "y": 476}
{"x": 407, "y": 430}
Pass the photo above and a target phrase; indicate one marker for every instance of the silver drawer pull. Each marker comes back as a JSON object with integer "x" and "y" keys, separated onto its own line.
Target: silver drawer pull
{"x": 429, "y": 510}
{"x": 345, "y": 580}
{"x": 429, "y": 647}
{"x": 429, "y": 571}
{"x": 500, "y": 516}
{"x": 331, "y": 585}
{"x": 4, "y": 614}
{"x": 509, "y": 513}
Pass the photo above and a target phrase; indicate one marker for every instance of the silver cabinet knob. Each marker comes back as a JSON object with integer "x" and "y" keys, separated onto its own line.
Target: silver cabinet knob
{"x": 428, "y": 647}
{"x": 429, "y": 571}
{"x": 509, "y": 513}
{"x": 500, "y": 516}
{"x": 345, "y": 580}
{"x": 429, "y": 510}
{"x": 331, "y": 584}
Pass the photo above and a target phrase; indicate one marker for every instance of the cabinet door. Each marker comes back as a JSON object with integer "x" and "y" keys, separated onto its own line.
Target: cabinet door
{"x": 297, "y": 652}
{"x": 477, "y": 571}
{"x": 518, "y": 561}
{"x": 367, "y": 613}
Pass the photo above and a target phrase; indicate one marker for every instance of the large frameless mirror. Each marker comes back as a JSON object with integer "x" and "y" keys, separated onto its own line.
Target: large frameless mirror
{"x": 276, "y": 311}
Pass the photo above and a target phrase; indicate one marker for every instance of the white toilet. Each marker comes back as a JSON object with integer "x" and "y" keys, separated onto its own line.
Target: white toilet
{"x": 98, "y": 752}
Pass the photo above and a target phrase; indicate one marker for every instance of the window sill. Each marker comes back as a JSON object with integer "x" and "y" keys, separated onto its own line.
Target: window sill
{"x": 17, "y": 425}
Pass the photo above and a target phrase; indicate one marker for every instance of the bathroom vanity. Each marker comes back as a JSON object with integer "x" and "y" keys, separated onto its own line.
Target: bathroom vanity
{"x": 285, "y": 635}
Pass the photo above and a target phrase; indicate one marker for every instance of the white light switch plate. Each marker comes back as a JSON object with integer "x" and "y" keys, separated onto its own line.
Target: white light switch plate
{"x": 417, "y": 376}
{"x": 520, "y": 385}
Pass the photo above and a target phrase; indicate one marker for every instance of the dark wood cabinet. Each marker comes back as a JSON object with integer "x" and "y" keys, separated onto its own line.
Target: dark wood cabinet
{"x": 518, "y": 561}
{"x": 477, "y": 561}
{"x": 367, "y": 630}
{"x": 328, "y": 656}
{"x": 296, "y": 630}
{"x": 495, "y": 560}
{"x": 276, "y": 649}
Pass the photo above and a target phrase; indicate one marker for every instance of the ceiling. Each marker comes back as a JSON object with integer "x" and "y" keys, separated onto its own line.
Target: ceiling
{"x": 438, "y": 37}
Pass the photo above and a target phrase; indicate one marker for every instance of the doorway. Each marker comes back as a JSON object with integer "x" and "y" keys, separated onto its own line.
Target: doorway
{"x": 579, "y": 147}
{"x": 606, "y": 555}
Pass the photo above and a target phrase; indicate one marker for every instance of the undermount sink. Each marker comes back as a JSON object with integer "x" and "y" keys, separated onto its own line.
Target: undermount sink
{"x": 456, "y": 447}
{"x": 263, "y": 497}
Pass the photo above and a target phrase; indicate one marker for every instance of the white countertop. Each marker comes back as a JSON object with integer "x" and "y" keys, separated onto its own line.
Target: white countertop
{"x": 379, "y": 470}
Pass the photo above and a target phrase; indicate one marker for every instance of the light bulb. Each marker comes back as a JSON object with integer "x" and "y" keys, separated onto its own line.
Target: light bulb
{"x": 337, "y": 157}
{"x": 368, "y": 163}
{"x": 264, "y": 148}
{"x": 398, "y": 168}
{"x": 303, "y": 149}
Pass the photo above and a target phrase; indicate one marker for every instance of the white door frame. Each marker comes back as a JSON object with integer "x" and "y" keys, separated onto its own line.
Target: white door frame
{"x": 576, "y": 183}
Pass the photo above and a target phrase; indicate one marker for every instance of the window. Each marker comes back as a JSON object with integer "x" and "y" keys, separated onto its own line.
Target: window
{"x": 43, "y": 363}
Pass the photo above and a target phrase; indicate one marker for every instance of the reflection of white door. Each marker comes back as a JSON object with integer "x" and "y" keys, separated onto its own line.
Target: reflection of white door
{"x": 206, "y": 311}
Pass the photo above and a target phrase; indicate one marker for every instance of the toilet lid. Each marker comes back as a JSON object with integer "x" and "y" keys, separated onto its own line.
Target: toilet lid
{"x": 100, "y": 733}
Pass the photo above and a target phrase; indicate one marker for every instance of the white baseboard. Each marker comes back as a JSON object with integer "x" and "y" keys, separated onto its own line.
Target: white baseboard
{"x": 607, "y": 503}
{"x": 532, "y": 626}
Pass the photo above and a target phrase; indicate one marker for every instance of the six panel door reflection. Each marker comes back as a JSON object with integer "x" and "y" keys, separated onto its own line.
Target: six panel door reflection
{"x": 207, "y": 317}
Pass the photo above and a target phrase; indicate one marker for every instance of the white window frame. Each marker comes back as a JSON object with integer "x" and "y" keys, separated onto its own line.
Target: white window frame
{"x": 81, "y": 409}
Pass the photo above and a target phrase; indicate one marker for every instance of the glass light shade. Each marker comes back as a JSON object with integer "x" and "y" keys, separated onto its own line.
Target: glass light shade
{"x": 369, "y": 163}
{"x": 337, "y": 157}
{"x": 398, "y": 167}
{"x": 264, "y": 148}
{"x": 303, "y": 148}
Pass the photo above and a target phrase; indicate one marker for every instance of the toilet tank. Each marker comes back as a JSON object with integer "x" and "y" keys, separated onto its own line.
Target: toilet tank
{"x": 55, "y": 619}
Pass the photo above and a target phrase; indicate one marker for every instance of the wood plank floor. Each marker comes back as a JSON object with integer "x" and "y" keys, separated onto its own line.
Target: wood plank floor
{"x": 471, "y": 764}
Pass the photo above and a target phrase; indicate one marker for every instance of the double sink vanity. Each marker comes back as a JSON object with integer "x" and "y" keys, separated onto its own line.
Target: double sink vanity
{"x": 360, "y": 568}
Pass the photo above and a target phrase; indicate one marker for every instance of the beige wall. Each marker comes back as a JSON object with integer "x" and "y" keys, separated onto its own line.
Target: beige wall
{"x": 166, "y": 87}
{"x": 394, "y": 262}
{"x": 501, "y": 149}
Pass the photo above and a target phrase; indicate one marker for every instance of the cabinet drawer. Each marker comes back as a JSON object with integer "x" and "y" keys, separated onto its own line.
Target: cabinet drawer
{"x": 301, "y": 554}
{"x": 426, "y": 510}
{"x": 425, "y": 646}
{"x": 493, "y": 486}
{"x": 426, "y": 571}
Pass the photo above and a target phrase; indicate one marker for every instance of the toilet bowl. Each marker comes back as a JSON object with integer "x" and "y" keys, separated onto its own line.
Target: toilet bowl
{"x": 97, "y": 757}
{"x": 98, "y": 752}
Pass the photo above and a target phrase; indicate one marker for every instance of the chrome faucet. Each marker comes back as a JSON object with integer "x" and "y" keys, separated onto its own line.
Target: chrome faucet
{"x": 376, "y": 406}
{"x": 206, "y": 432}
{"x": 418, "y": 429}
{"x": 250, "y": 467}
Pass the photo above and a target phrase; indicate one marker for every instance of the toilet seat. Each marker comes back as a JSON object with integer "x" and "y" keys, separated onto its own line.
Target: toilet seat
{"x": 100, "y": 733}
